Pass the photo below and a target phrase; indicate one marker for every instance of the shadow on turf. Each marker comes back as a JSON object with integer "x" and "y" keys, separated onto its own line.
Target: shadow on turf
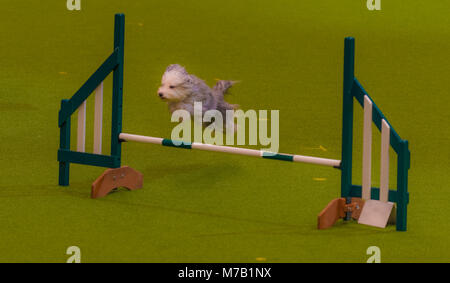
{"x": 207, "y": 170}
{"x": 214, "y": 173}
{"x": 343, "y": 229}
{"x": 10, "y": 106}
{"x": 29, "y": 191}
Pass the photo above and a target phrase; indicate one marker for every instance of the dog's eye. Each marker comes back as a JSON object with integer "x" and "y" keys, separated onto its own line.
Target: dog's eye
{"x": 172, "y": 86}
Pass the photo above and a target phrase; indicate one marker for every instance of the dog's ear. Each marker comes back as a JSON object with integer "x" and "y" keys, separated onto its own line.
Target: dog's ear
{"x": 177, "y": 68}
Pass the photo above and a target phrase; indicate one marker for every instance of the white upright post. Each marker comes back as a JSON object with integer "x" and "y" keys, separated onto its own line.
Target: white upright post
{"x": 384, "y": 171}
{"x": 98, "y": 119}
{"x": 81, "y": 130}
{"x": 367, "y": 150}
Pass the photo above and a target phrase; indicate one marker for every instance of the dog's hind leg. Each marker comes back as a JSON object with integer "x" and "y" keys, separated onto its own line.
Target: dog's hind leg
{"x": 222, "y": 86}
{"x": 223, "y": 107}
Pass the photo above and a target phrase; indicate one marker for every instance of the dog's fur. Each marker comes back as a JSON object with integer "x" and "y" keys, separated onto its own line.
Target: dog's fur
{"x": 181, "y": 89}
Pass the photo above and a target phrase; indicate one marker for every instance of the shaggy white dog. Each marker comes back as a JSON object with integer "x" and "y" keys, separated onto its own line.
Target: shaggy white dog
{"x": 181, "y": 89}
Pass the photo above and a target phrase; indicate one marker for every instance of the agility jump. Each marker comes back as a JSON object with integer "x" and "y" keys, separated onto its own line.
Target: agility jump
{"x": 367, "y": 204}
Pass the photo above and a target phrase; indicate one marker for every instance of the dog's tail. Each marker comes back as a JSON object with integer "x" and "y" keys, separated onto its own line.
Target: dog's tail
{"x": 221, "y": 88}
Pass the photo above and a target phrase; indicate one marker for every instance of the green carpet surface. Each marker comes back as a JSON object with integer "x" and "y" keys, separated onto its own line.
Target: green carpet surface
{"x": 211, "y": 207}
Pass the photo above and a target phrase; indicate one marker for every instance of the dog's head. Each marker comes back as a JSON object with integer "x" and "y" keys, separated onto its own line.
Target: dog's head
{"x": 175, "y": 84}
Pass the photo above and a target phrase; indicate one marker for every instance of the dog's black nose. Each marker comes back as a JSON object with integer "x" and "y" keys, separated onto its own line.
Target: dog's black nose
{"x": 160, "y": 94}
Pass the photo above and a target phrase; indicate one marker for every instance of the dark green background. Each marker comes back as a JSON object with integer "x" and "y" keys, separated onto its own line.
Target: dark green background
{"x": 211, "y": 207}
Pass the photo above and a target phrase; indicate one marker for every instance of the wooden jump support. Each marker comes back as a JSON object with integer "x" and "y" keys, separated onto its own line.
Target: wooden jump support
{"x": 114, "y": 178}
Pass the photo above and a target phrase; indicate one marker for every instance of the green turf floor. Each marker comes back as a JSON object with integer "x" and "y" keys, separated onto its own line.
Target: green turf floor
{"x": 210, "y": 207}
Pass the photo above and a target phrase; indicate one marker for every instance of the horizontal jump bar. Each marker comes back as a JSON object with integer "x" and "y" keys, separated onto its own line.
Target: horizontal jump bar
{"x": 232, "y": 150}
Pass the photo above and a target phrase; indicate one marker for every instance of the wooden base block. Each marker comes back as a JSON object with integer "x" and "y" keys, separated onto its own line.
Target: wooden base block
{"x": 114, "y": 178}
{"x": 331, "y": 213}
{"x": 337, "y": 209}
